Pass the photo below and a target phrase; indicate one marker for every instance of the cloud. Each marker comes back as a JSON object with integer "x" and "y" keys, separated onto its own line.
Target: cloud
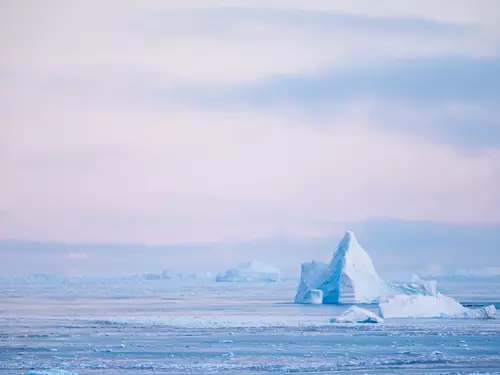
{"x": 127, "y": 125}
{"x": 212, "y": 174}
{"x": 422, "y": 80}
{"x": 219, "y": 45}
{"x": 452, "y": 100}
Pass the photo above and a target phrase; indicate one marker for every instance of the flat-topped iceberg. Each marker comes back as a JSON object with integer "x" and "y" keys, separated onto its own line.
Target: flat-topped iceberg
{"x": 355, "y": 314}
{"x": 351, "y": 278}
{"x": 250, "y": 272}
{"x": 439, "y": 306}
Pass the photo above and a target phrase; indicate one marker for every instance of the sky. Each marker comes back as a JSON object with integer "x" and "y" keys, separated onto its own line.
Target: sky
{"x": 168, "y": 122}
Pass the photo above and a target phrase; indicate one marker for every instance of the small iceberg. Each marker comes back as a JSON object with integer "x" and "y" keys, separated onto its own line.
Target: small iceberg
{"x": 355, "y": 314}
{"x": 439, "y": 306}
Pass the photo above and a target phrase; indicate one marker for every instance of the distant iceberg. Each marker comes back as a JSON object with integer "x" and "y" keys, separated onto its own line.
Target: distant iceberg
{"x": 250, "y": 272}
{"x": 355, "y": 314}
{"x": 204, "y": 276}
{"x": 482, "y": 274}
{"x": 163, "y": 275}
{"x": 439, "y": 306}
{"x": 351, "y": 278}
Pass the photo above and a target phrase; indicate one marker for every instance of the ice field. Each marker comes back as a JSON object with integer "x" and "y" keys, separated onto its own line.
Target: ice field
{"x": 122, "y": 326}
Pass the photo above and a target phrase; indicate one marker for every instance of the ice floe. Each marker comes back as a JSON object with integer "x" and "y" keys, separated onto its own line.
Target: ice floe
{"x": 439, "y": 306}
{"x": 355, "y": 314}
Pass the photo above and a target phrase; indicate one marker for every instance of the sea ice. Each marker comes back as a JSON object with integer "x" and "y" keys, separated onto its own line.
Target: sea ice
{"x": 355, "y": 314}
{"x": 50, "y": 372}
{"x": 351, "y": 278}
{"x": 439, "y": 306}
{"x": 250, "y": 272}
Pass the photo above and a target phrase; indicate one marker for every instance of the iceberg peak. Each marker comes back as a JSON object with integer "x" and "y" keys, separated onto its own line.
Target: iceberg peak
{"x": 350, "y": 244}
{"x": 346, "y": 241}
{"x": 349, "y": 237}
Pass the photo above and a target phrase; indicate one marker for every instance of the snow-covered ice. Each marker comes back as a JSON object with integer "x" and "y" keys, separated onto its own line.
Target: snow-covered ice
{"x": 351, "y": 278}
{"x": 250, "y": 272}
{"x": 355, "y": 314}
{"x": 439, "y": 306}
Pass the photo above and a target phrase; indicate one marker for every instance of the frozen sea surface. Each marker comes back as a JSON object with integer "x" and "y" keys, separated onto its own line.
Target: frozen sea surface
{"x": 162, "y": 327}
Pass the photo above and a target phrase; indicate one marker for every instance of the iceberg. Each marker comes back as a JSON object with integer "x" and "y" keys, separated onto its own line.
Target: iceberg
{"x": 355, "y": 314}
{"x": 204, "y": 276}
{"x": 169, "y": 275}
{"x": 351, "y": 278}
{"x": 250, "y": 272}
{"x": 163, "y": 275}
{"x": 439, "y": 306}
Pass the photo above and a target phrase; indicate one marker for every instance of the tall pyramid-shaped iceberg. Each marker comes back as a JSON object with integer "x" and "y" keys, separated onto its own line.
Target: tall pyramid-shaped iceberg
{"x": 351, "y": 278}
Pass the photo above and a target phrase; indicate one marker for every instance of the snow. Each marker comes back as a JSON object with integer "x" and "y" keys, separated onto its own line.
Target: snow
{"x": 355, "y": 314}
{"x": 250, "y": 272}
{"x": 351, "y": 278}
{"x": 439, "y": 306}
